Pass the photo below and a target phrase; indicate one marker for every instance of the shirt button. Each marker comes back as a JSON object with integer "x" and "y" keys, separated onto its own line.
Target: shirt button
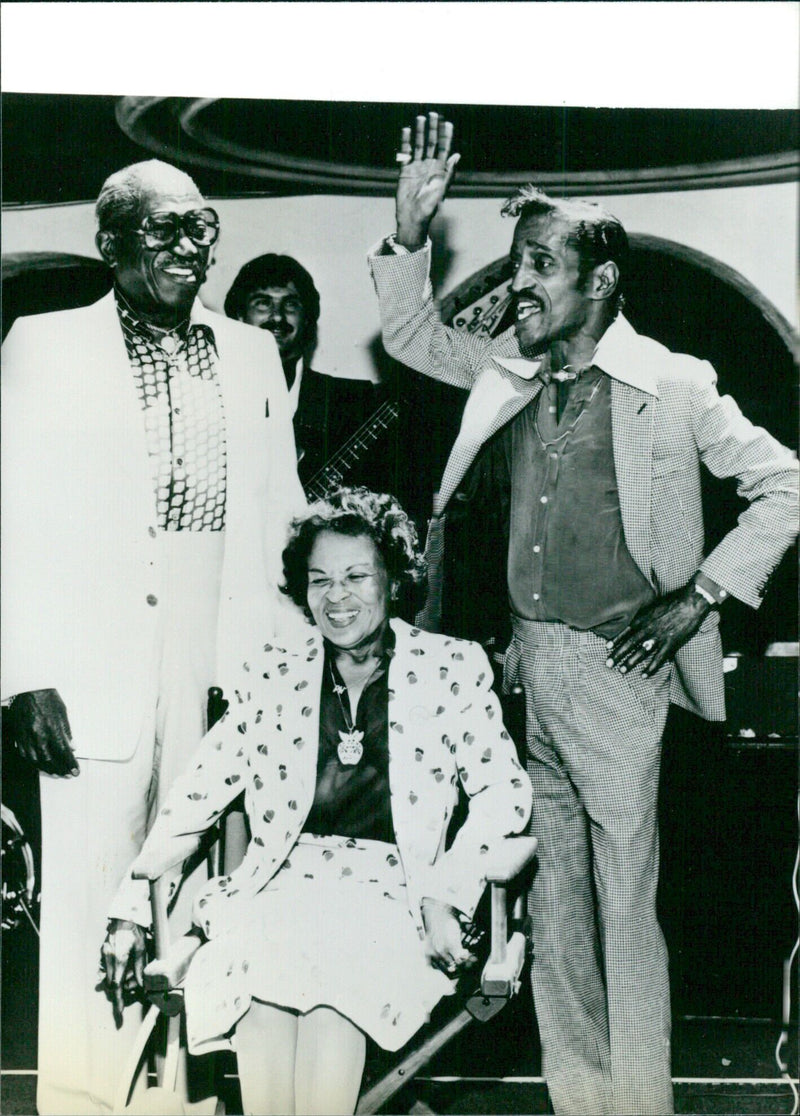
{"x": 152, "y": 600}
{"x": 543, "y": 500}
{"x": 536, "y": 549}
{"x": 151, "y": 532}
{"x": 536, "y": 596}
{"x": 180, "y": 461}
{"x": 554, "y": 456}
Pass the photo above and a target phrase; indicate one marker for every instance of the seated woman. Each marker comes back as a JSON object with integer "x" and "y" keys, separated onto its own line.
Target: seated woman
{"x": 342, "y": 919}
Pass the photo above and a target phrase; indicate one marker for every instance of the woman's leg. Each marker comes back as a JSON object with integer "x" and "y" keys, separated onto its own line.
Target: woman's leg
{"x": 266, "y": 1049}
{"x": 330, "y": 1063}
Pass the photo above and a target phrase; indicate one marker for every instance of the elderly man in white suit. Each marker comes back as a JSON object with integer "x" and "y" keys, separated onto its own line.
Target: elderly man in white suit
{"x": 149, "y": 477}
{"x": 602, "y": 433}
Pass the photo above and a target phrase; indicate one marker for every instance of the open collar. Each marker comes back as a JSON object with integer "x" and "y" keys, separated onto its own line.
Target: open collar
{"x": 616, "y": 354}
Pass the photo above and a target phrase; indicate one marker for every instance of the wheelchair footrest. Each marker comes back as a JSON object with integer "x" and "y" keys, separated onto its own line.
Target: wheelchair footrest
{"x": 484, "y": 1008}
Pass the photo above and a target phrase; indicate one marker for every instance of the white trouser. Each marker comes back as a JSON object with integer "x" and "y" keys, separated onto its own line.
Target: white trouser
{"x": 93, "y": 827}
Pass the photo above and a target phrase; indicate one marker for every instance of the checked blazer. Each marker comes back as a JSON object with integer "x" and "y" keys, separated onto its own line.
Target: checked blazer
{"x": 667, "y": 418}
{"x": 445, "y": 727}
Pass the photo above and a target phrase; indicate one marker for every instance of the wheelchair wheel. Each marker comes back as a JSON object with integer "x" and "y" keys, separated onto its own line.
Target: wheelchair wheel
{"x": 18, "y": 892}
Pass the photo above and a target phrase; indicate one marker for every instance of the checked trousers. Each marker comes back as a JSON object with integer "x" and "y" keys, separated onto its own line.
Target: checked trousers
{"x": 599, "y": 974}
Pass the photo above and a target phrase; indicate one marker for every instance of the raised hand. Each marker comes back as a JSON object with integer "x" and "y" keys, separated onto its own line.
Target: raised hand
{"x": 425, "y": 176}
{"x": 38, "y": 723}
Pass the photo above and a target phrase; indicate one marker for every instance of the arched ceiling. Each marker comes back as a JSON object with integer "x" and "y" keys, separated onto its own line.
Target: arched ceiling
{"x": 315, "y": 145}
{"x": 284, "y": 147}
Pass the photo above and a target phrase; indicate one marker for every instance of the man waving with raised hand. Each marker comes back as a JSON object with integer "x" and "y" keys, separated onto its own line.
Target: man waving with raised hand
{"x": 614, "y": 604}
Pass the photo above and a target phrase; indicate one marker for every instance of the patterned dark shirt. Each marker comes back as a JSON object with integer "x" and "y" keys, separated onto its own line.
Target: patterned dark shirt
{"x": 353, "y": 800}
{"x": 179, "y": 391}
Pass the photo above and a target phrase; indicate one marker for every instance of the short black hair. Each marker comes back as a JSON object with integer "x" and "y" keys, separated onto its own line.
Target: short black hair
{"x": 597, "y": 235}
{"x": 272, "y": 270}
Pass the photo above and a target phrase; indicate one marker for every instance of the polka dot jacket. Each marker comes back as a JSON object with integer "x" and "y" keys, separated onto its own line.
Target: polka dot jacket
{"x": 445, "y": 727}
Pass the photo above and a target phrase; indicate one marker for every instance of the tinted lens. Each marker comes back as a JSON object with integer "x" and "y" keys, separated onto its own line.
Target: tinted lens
{"x": 201, "y": 226}
{"x": 161, "y": 231}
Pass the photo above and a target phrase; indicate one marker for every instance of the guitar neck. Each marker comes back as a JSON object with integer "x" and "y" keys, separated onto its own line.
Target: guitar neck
{"x": 335, "y": 469}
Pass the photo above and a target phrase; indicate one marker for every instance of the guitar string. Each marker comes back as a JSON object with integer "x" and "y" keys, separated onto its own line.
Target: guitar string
{"x": 383, "y": 416}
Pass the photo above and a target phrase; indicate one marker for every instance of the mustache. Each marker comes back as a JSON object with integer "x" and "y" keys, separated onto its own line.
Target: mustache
{"x": 527, "y": 294}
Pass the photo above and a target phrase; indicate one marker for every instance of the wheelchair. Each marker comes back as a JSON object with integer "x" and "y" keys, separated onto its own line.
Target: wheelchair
{"x": 501, "y": 936}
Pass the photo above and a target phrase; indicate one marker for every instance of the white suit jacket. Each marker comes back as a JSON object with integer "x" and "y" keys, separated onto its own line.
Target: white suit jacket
{"x": 445, "y": 725}
{"x": 666, "y": 418}
{"x": 80, "y": 557}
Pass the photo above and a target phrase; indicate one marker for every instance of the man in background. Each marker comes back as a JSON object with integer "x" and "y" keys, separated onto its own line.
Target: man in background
{"x": 277, "y": 294}
{"x": 150, "y": 474}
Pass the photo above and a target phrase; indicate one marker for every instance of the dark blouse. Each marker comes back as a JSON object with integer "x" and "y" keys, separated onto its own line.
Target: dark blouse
{"x": 353, "y": 800}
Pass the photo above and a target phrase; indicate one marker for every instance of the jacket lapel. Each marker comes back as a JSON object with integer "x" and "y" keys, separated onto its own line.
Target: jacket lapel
{"x": 298, "y": 714}
{"x": 234, "y": 383}
{"x": 632, "y": 421}
{"x": 496, "y": 396}
{"x": 113, "y": 412}
{"x": 415, "y": 692}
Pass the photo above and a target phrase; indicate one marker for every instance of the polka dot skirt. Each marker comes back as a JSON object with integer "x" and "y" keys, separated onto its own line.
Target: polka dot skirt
{"x": 332, "y": 927}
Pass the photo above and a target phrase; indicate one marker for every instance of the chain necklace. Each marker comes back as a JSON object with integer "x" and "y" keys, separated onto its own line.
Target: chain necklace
{"x": 168, "y": 338}
{"x": 350, "y": 748}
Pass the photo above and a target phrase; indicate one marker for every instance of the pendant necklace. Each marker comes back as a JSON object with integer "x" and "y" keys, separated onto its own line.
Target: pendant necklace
{"x": 350, "y": 748}
{"x": 167, "y": 339}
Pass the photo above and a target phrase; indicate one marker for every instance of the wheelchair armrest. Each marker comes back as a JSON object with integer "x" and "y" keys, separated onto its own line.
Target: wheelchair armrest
{"x": 500, "y": 979}
{"x": 170, "y": 970}
{"x": 509, "y": 857}
{"x": 166, "y": 972}
{"x": 164, "y": 975}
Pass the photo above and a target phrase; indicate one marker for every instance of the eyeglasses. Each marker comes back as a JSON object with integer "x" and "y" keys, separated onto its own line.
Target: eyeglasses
{"x": 162, "y": 230}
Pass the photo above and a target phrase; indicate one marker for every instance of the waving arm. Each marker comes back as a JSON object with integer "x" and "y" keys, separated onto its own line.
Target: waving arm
{"x": 425, "y": 175}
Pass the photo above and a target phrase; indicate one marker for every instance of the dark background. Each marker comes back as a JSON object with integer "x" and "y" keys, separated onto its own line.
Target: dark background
{"x": 60, "y": 149}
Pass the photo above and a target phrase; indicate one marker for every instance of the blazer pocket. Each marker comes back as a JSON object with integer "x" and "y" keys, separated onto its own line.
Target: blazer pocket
{"x": 666, "y": 466}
